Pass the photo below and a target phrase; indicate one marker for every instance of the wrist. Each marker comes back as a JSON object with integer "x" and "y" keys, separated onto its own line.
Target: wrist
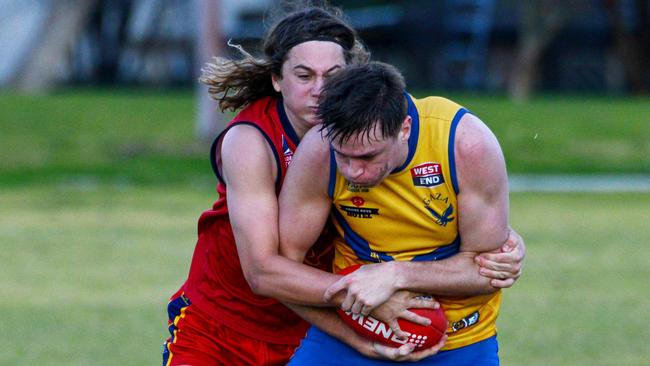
{"x": 397, "y": 271}
{"x": 362, "y": 344}
{"x": 367, "y": 348}
{"x": 337, "y": 299}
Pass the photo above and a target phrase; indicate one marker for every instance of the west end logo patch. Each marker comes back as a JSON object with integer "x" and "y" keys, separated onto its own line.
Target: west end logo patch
{"x": 427, "y": 175}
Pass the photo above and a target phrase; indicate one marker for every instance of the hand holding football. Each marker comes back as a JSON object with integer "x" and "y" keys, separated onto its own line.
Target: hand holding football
{"x": 421, "y": 336}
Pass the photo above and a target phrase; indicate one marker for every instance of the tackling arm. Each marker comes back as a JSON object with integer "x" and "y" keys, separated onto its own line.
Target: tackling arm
{"x": 304, "y": 203}
{"x": 253, "y": 211}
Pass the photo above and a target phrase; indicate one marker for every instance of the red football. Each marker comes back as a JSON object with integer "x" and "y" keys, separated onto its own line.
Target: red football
{"x": 422, "y": 336}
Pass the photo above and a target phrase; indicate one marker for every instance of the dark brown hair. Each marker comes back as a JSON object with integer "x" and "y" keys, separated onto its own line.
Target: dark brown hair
{"x": 359, "y": 98}
{"x": 237, "y": 83}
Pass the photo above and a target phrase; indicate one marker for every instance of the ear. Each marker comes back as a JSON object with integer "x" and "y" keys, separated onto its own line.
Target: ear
{"x": 275, "y": 81}
{"x": 405, "y": 130}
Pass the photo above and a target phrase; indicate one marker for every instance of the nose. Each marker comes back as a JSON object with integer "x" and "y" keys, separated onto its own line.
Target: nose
{"x": 354, "y": 169}
{"x": 317, "y": 87}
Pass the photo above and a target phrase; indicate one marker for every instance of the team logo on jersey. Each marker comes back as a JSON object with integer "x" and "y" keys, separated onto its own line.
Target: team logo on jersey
{"x": 286, "y": 152}
{"x": 435, "y": 197}
{"x": 427, "y": 175}
{"x": 357, "y": 210}
{"x": 444, "y": 217}
{"x": 358, "y": 201}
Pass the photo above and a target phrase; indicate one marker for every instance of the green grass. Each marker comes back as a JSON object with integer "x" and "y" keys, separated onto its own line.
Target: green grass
{"x": 569, "y": 134}
{"x": 100, "y": 192}
{"x": 140, "y": 137}
{"x": 87, "y": 271}
{"x": 108, "y": 135}
{"x": 583, "y": 298}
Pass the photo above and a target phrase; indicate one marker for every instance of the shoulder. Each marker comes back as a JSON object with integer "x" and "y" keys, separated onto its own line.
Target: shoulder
{"x": 478, "y": 156}
{"x": 314, "y": 144}
{"x": 310, "y": 165}
{"x": 246, "y": 149}
{"x": 474, "y": 139}
{"x": 251, "y": 124}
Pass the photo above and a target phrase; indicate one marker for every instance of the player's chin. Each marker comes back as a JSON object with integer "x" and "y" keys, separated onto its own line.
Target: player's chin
{"x": 311, "y": 118}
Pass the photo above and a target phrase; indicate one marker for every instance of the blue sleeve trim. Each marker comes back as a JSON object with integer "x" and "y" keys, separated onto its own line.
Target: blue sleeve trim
{"x": 286, "y": 125}
{"x": 415, "y": 132}
{"x": 216, "y": 145}
{"x": 452, "y": 140}
{"x": 332, "y": 182}
{"x": 440, "y": 253}
{"x": 359, "y": 245}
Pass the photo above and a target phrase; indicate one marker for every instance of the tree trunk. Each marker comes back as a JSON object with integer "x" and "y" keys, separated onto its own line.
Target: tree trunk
{"x": 209, "y": 44}
{"x": 49, "y": 61}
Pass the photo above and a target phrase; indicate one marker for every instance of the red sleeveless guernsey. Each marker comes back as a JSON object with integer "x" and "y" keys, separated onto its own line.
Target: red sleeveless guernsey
{"x": 216, "y": 283}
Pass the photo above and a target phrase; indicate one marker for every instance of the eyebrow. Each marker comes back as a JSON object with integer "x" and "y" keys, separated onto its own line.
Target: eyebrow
{"x": 303, "y": 67}
{"x": 362, "y": 156}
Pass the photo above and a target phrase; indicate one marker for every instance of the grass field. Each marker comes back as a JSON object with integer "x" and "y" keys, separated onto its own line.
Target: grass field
{"x": 100, "y": 192}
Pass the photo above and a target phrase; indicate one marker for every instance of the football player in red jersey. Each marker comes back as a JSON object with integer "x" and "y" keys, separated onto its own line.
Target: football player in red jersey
{"x": 225, "y": 312}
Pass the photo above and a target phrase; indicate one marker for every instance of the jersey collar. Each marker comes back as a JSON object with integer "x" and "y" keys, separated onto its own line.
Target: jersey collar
{"x": 412, "y": 111}
{"x": 286, "y": 125}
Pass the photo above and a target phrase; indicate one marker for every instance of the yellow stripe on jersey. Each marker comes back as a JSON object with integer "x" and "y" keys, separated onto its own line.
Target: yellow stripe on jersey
{"x": 412, "y": 215}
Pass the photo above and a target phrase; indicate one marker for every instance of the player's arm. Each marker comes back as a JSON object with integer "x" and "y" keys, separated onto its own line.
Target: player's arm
{"x": 253, "y": 210}
{"x": 483, "y": 216}
{"x": 304, "y": 202}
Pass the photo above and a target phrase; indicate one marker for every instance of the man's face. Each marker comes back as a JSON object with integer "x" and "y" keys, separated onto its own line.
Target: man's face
{"x": 367, "y": 160}
{"x": 305, "y": 70}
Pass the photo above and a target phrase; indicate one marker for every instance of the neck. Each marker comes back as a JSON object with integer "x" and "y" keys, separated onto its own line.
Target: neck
{"x": 300, "y": 129}
{"x": 299, "y": 126}
{"x": 401, "y": 154}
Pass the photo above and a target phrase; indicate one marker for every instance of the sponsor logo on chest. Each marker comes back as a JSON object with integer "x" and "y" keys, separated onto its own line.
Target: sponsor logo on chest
{"x": 427, "y": 175}
{"x": 356, "y": 210}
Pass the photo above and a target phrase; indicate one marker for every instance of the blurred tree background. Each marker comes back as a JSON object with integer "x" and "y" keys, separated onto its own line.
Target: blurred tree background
{"x": 496, "y": 46}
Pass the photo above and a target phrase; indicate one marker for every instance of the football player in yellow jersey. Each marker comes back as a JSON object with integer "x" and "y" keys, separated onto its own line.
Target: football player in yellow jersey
{"x": 406, "y": 180}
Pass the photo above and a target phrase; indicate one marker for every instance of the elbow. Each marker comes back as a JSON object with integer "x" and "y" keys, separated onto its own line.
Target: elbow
{"x": 259, "y": 281}
{"x": 256, "y": 284}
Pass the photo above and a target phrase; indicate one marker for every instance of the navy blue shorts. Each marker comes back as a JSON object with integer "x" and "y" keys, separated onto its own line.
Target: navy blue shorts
{"x": 319, "y": 348}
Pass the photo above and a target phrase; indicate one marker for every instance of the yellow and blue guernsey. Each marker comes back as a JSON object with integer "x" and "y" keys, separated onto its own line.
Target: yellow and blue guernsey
{"x": 412, "y": 215}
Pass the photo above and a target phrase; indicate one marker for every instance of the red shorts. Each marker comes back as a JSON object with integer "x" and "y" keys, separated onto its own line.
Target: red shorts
{"x": 198, "y": 340}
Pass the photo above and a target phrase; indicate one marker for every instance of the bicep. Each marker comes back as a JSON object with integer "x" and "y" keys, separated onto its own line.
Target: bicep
{"x": 303, "y": 203}
{"x": 483, "y": 187}
{"x": 252, "y": 202}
